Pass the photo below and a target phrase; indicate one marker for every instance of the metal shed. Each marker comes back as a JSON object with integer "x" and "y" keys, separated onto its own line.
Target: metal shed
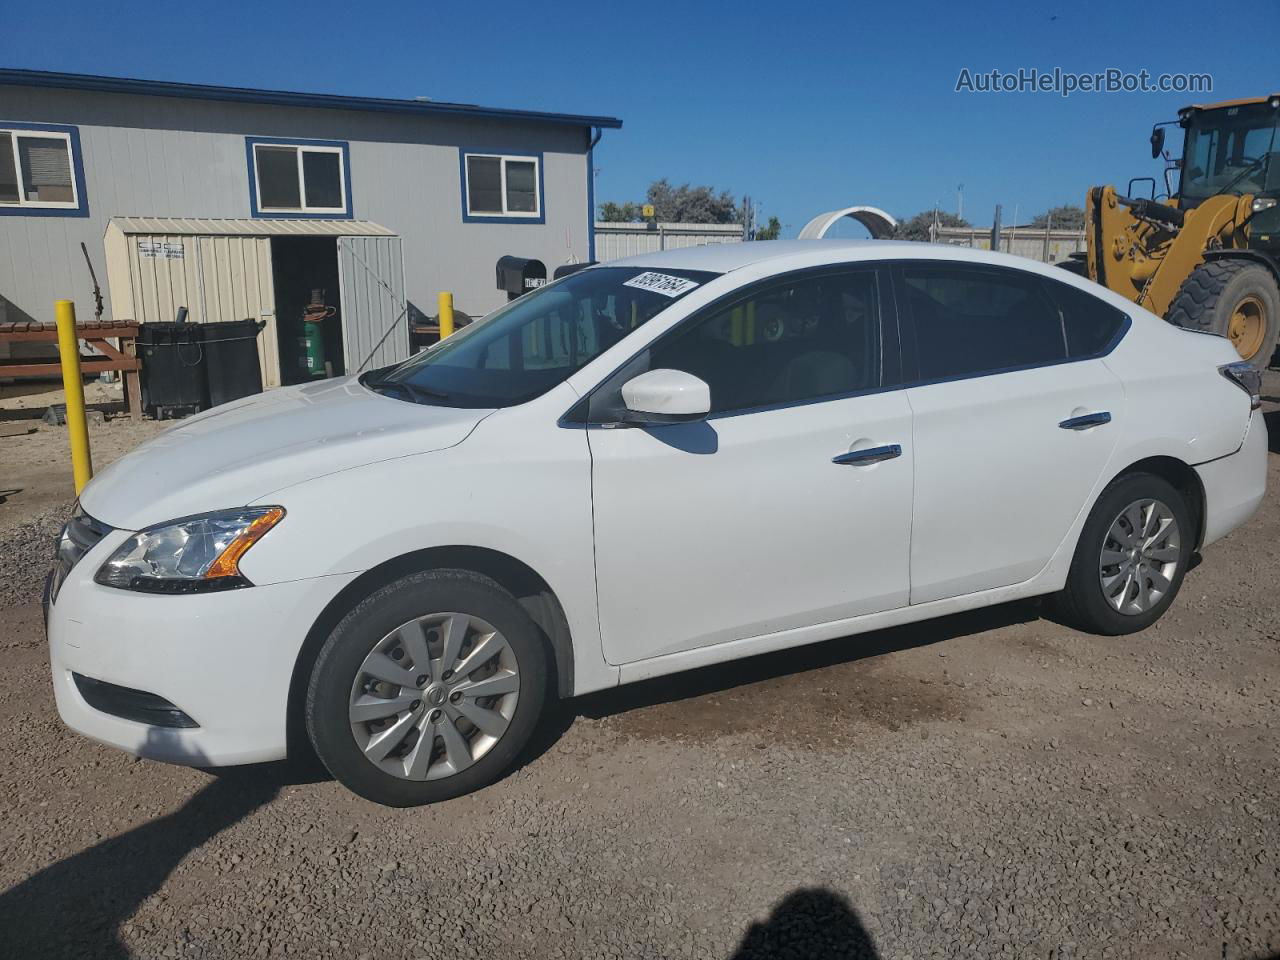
{"x": 225, "y": 269}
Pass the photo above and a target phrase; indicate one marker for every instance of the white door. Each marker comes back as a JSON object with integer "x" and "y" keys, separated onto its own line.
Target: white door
{"x": 747, "y": 524}
{"x": 372, "y": 305}
{"x": 1005, "y": 461}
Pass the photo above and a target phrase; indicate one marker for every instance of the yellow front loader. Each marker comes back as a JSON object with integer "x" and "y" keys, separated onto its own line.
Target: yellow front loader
{"x": 1205, "y": 255}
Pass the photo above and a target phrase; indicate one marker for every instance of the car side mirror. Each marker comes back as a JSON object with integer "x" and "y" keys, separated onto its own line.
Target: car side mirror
{"x": 1157, "y": 142}
{"x": 666, "y": 396}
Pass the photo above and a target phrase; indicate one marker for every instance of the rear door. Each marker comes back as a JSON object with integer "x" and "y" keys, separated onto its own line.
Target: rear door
{"x": 1013, "y": 419}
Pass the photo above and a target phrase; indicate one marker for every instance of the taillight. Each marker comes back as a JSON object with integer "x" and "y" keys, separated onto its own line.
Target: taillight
{"x": 1247, "y": 377}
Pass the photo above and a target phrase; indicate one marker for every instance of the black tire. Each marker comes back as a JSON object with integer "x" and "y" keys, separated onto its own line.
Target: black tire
{"x": 1209, "y": 297}
{"x": 341, "y": 659}
{"x": 1082, "y": 603}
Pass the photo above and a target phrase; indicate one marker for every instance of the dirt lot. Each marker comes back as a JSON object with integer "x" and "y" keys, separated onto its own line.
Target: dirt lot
{"x": 990, "y": 784}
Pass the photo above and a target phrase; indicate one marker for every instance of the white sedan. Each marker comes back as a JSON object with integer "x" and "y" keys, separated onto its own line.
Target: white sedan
{"x": 650, "y": 465}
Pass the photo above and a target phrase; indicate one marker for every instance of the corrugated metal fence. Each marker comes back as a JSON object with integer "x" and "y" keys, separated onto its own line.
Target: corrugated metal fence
{"x": 616, "y": 240}
{"x": 1034, "y": 243}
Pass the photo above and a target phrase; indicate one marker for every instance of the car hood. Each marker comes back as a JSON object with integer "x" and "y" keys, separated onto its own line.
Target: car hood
{"x": 240, "y": 452}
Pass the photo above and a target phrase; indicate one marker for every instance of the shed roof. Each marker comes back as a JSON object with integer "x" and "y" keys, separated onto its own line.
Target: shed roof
{"x": 202, "y": 91}
{"x": 195, "y": 226}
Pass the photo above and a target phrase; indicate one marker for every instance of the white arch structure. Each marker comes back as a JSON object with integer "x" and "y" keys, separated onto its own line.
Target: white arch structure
{"x": 877, "y": 222}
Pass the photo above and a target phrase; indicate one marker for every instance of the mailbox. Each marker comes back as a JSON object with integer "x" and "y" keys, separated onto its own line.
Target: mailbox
{"x": 516, "y": 275}
{"x": 565, "y": 269}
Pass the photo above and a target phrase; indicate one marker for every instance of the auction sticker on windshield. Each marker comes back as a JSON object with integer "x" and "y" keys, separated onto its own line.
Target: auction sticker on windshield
{"x": 662, "y": 283}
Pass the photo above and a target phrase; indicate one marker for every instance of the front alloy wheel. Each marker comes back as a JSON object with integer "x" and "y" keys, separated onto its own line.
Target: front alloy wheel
{"x": 428, "y": 689}
{"x": 434, "y": 696}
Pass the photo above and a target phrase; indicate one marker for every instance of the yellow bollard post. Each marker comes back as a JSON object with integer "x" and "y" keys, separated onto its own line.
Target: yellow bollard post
{"x": 445, "y": 301}
{"x": 77, "y": 426}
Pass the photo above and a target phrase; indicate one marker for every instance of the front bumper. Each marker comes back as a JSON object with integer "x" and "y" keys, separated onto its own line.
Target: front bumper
{"x": 1235, "y": 485}
{"x": 225, "y": 659}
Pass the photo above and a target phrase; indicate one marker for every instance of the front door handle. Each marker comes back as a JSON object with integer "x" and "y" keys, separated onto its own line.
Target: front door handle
{"x": 870, "y": 455}
{"x": 1086, "y": 421}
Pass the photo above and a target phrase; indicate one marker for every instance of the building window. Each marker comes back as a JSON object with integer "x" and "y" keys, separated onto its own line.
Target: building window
{"x": 497, "y": 186}
{"x": 40, "y": 171}
{"x": 292, "y": 178}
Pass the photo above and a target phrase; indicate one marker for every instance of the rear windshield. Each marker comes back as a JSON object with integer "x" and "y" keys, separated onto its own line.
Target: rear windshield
{"x": 537, "y": 341}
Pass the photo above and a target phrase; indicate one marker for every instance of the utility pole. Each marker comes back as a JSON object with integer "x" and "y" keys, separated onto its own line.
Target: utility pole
{"x": 960, "y": 201}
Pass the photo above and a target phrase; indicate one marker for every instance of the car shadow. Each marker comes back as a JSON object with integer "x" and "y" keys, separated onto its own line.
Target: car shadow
{"x": 811, "y": 923}
{"x": 76, "y": 906}
{"x": 722, "y": 677}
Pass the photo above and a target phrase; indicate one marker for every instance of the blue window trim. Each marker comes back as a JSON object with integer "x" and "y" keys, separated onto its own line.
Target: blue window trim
{"x": 77, "y": 165}
{"x": 345, "y": 146}
{"x": 464, "y": 152}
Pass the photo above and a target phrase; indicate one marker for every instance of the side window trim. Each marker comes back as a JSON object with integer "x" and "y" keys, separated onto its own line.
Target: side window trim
{"x": 598, "y": 407}
{"x": 342, "y": 148}
{"x": 910, "y": 343}
{"x": 504, "y": 157}
{"x": 68, "y": 134}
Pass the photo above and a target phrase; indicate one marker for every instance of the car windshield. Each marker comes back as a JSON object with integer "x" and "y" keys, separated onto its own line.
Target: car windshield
{"x": 538, "y": 340}
{"x": 1232, "y": 150}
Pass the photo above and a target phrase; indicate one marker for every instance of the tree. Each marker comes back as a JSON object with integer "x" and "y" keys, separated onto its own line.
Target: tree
{"x": 917, "y": 227}
{"x": 770, "y": 230}
{"x": 682, "y": 204}
{"x": 686, "y": 204}
{"x": 1066, "y": 217}
{"x": 620, "y": 212}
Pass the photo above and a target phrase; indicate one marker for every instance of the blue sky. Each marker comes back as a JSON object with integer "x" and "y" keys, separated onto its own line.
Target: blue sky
{"x": 805, "y": 106}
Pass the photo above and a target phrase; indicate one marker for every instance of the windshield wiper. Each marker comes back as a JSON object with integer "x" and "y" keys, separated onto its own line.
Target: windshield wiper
{"x": 417, "y": 393}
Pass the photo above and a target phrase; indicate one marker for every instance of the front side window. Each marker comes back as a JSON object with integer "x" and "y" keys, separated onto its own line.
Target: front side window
{"x": 299, "y": 179}
{"x": 497, "y": 185}
{"x": 536, "y": 342}
{"x": 971, "y": 320}
{"x": 38, "y": 170}
{"x": 795, "y": 342}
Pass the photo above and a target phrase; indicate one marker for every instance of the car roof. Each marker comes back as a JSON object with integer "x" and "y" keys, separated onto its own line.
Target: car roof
{"x": 726, "y": 257}
{"x": 723, "y": 257}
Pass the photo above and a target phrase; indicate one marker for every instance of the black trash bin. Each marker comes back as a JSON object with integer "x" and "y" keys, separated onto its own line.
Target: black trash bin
{"x": 231, "y": 360}
{"x": 173, "y": 369}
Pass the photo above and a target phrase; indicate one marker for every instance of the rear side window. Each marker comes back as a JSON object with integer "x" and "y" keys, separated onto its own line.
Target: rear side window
{"x": 1090, "y": 324}
{"x": 971, "y": 321}
{"x": 793, "y": 342}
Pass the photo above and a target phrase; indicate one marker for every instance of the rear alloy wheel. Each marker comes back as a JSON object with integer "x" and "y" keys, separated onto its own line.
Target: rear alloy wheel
{"x": 1130, "y": 559}
{"x": 428, "y": 689}
{"x": 1140, "y": 557}
{"x": 1234, "y": 298}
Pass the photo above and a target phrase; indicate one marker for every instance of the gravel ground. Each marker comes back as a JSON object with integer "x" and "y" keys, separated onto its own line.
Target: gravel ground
{"x": 990, "y": 784}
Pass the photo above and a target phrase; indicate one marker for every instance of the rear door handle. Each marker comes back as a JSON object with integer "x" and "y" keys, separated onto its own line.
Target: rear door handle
{"x": 1086, "y": 421}
{"x": 870, "y": 455}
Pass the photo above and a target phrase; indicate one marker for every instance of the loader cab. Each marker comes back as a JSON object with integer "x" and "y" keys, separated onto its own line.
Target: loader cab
{"x": 1230, "y": 148}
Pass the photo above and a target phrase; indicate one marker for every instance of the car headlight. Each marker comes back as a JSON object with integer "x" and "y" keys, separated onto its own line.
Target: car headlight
{"x": 194, "y": 555}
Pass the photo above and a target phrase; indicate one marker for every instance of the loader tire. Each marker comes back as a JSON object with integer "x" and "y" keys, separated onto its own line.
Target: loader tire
{"x": 1234, "y": 298}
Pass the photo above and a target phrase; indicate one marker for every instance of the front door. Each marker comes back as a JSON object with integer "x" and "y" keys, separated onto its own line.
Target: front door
{"x": 760, "y": 520}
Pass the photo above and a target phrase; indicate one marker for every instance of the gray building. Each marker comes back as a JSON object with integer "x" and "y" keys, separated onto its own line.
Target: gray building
{"x": 266, "y": 195}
